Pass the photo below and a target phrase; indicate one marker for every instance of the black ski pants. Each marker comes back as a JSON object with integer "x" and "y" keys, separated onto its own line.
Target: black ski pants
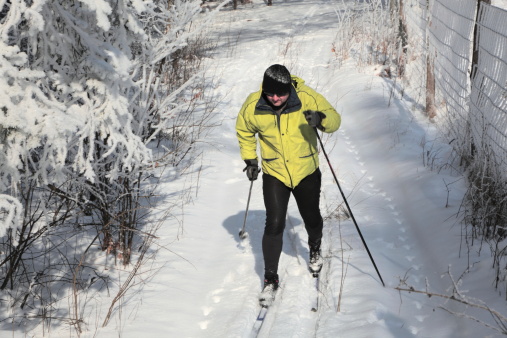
{"x": 276, "y": 200}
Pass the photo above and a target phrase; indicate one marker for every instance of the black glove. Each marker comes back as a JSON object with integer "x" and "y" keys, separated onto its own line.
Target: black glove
{"x": 252, "y": 169}
{"x": 314, "y": 118}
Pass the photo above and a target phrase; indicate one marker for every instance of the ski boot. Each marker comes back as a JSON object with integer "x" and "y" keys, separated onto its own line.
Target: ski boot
{"x": 267, "y": 295}
{"x": 316, "y": 261}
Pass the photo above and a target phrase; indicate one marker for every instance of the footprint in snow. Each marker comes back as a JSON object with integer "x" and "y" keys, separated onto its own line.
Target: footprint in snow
{"x": 215, "y": 295}
{"x": 206, "y": 310}
{"x": 413, "y": 330}
{"x": 420, "y": 318}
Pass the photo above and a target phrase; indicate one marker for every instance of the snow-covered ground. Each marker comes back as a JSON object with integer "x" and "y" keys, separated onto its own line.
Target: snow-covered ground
{"x": 205, "y": 281}
{"x": 210, "y": 279}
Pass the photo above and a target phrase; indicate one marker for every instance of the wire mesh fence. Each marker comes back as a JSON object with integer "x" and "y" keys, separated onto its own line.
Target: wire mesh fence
{"x": 488, "y": 101}
{"x": 450, "y": 38}
{"x": 416, "y": 15}
{"x": 460, "y": 49}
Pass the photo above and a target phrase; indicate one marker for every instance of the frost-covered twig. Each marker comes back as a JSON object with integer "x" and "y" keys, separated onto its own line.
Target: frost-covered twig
{"x": 458, "y": 296}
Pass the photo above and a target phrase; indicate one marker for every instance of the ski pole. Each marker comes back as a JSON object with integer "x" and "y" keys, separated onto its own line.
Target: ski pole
{"x": 242, "y": 233}
{"x": 348, "y": 207}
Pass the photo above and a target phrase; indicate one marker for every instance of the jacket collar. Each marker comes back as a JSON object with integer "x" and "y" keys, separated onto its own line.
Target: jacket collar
{"x": 293, "y": 103}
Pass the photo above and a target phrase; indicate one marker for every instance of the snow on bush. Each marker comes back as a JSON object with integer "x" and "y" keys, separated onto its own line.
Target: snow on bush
{"x": 86, "y": 86}
{"x": 72, "y": 75}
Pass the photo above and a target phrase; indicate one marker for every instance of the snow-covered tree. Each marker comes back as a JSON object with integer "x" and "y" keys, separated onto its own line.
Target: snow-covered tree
{"x": 86, "y": 86}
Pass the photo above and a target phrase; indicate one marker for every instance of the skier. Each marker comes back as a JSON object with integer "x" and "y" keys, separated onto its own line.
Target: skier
{"x": 283, "y": 116}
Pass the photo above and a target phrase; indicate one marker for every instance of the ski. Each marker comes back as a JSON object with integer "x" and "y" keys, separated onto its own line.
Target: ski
{"x": 315, "y": 266}
{"x": 266, "y": 299}
{"x": 315, "y": 305}
{"x": 259, "y": 321}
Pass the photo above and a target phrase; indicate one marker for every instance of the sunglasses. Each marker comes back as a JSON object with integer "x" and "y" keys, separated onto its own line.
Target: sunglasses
{"x": 273, "y": 94}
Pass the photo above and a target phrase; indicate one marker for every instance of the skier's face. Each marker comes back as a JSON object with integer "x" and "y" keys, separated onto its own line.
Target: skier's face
{"x": 277, "y": 100}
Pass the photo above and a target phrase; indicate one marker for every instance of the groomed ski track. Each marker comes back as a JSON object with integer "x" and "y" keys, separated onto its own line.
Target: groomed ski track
{"x": 224, "y": 284}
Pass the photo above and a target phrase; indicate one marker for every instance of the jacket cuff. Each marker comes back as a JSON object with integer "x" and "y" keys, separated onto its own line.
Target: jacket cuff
{"x": 253, "y": 162}
{"x": 322, "y": 117}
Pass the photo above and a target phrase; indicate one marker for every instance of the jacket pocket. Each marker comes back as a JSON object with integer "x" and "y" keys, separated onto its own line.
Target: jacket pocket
{"x": 269, "y": 159}
{"x": 311, "y": 155}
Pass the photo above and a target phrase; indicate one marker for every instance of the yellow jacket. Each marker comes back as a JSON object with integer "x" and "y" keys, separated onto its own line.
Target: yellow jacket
{"x": 288, "y": 143}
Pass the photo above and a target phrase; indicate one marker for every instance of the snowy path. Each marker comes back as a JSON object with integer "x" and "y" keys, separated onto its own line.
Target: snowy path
{"x": 210, "y": 280}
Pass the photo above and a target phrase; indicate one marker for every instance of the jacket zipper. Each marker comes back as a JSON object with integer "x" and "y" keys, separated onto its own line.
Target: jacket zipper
{"x": 278, "y": 118}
